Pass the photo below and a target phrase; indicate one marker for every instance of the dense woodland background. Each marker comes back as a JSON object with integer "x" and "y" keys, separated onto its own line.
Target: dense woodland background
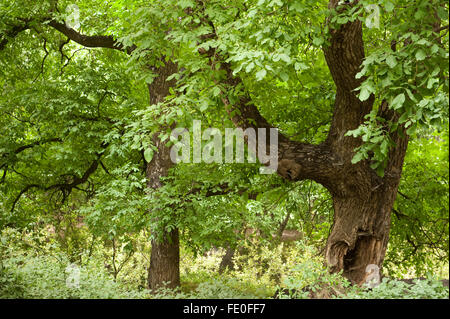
{"x": 90, "y": 94}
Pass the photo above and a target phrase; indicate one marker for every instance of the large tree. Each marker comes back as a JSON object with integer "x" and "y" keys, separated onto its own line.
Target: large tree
{"x": 379, "y": 102}
{"x": 365, "y": 92}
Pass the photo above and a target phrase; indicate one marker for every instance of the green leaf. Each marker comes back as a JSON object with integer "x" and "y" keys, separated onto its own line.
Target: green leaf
{"x": 285, "y": 57}
{"x": 298, "y": 6}
{"x": 375, "y": 165}
{"x": 250, "y": 67}
{"x": 411, "y": 130}
{"x": 384, "y": 147}
{"x": 389, "y": 6}
{"x": 300, "y": 66}
{"x": 261, "y": 74}
{"x": 442, "y": 13}
{"x": 360, "y": 74}
{"x": 216, "y": 91}
{"x": 420, "y": 14}
{"x": 431, "y": 82}
{"x": 380, "y": 171}
{"x": 391, "y": 61}
{"x": 358, "y": 157}
{"x": 434, "y": 49}
{"x": 185, "y": 4}
{"x": 364, "y": 94}
{"x": 204, "y": 106}
{"x": 398, "y": 101}
{"x": 420, "y": 55}
{"x": 284, "y": 76}
{"x": 148, "y": 154}
{"x": 318, "y": 41}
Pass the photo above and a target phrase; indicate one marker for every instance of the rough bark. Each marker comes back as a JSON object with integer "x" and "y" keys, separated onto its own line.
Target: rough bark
{"x": 363, "y": 202}
{"x": 89, "y": 41}
{"x": 165, "y": 253}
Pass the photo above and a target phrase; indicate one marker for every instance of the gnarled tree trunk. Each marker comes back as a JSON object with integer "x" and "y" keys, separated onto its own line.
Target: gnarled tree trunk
{"x": 362, "y": 200}
{"x": 360, "y": 232}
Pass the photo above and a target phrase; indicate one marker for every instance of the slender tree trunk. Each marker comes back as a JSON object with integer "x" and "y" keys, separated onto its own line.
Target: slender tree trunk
{"x": 165, "y": 261}
{"x": 227, "y": 260}
{"x": 165, "y": 254}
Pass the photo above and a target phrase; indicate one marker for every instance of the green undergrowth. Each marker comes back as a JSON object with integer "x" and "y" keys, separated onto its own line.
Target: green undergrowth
{"x": 286, "y": 271}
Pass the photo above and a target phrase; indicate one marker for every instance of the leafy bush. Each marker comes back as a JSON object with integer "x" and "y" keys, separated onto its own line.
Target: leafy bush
{"x": 293, "y": 271}
{"x": 310, "y": 279}
{"x": 44, "y": 274}
{"x": 42, "y": 277}
{"x": 396, "y": 289}
{"x": 213, "y": 288}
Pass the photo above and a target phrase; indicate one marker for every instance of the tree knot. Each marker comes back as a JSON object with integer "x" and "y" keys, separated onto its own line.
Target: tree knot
{"x": 289, "y": 169}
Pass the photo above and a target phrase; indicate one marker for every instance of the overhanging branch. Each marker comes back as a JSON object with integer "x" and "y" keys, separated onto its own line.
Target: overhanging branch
{"x": 65, "y": 188}
{"x": 89, "y": 41}
{"x": 296, "y": 161}
{"x": 31, "y": 145}
{"x": 94, "y": 41}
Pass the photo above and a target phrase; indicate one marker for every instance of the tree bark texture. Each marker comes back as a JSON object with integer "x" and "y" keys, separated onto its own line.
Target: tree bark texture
{"x": 165, "y": 254}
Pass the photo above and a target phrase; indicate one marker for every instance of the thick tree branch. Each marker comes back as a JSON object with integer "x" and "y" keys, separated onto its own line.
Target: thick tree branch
{"x": 344, "y": 56}
{"x": 23, "y": 191}
{"x": 65, "y": 188}
{"x": 297, "y": 161}
{"x": 345, "y": 53}
{"x": 94, "y": 41}
{"x": 24, "y": 147}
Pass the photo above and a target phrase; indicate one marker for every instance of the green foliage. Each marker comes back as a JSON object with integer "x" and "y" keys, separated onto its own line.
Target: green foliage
{"x": 42, "y": 273}
{"x": 295, "y": 271}
{"x": 410, "y": 74}
{"x": 211, "y": 288}
{"x": 310, "y": 279}
{"x": 77, "y": 134}
{"x": 419, "y": 232}
{"x": 395, "y": 289}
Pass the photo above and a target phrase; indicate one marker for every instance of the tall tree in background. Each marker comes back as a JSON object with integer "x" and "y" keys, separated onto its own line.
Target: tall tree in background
{"x": 165, "y": 255}
{"x": 164, "y": 259}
